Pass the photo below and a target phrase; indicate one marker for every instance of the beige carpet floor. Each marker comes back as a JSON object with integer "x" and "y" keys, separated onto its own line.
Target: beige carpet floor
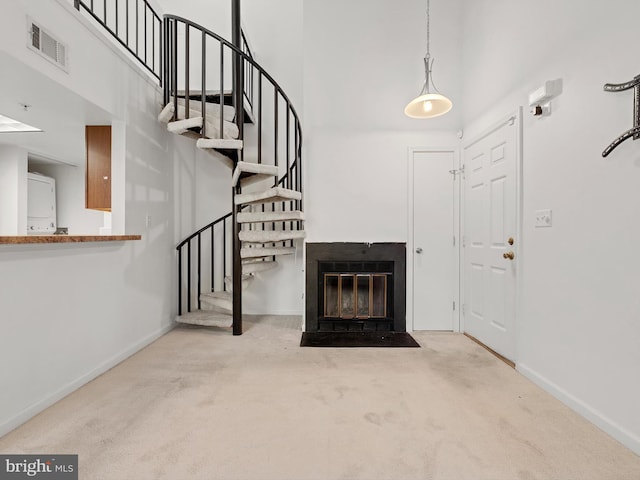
{"x": 202, "y": 404}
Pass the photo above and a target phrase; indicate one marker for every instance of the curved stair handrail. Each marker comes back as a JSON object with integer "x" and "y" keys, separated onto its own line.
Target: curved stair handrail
{"x": 207, "y": 249}
{"x": 170, "y": 86}
{"x": 216, "y": 253}
{"x": 230, "y": 45}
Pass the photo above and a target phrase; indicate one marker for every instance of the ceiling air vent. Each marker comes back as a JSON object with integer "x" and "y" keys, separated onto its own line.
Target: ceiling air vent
{"x": 47, "y": 45}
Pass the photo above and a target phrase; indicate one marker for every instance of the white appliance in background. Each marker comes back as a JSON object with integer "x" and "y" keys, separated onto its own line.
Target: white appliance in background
{"x": 41, "y": 204}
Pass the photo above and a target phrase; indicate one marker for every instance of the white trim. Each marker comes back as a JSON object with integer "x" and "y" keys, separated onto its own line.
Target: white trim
{"x": 411, "y": 151}
{"x": 72, "y": 386}
{"x": 519, "y": 222}
{"x": 515, "y": 115}
{"x": 624, "y": 436}
{"x": 409, "y": 320}
{"x": 457, "y": 213}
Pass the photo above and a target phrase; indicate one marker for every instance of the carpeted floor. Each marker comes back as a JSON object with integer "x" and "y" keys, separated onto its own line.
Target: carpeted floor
{"x": 202, "y": 404}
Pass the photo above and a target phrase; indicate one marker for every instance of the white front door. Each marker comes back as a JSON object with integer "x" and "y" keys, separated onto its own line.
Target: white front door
{"x": 434, "y": 252}
{"x": 490, "y": 236}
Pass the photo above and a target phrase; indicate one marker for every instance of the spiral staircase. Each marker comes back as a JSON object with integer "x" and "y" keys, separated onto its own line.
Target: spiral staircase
{"x": 254, "y": 130}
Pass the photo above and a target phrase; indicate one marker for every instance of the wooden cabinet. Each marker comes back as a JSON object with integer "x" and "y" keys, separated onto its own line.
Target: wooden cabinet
{"x": 98, "y": 181}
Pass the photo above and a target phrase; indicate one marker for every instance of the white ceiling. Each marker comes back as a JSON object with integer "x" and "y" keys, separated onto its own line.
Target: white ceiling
{"x": 59, "y": 112}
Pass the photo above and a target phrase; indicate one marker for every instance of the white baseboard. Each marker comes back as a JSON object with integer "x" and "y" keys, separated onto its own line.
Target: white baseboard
{"x": 31, "y": 411}
{"x": 627, "y": 438}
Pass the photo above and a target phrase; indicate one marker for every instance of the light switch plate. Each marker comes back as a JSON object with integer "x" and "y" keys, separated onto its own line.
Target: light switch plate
{"x": 543, "y": 218}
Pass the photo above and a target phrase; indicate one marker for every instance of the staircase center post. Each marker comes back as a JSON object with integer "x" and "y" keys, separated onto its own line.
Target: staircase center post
{"x": 238, "y": 83}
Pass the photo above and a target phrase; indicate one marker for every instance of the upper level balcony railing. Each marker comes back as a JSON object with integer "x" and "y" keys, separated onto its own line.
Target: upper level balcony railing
{"x": 134, "y": 24}
{"x": 137, "y": 27}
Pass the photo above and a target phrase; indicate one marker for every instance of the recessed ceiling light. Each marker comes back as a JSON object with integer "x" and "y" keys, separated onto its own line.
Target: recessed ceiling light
{"x": 9, "y": 125}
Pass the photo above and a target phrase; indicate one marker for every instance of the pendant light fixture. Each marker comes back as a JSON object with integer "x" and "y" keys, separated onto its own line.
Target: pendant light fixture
{"x": 429, "y": 103}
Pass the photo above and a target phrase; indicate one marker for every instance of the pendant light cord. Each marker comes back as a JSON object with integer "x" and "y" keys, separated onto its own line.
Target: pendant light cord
{"x": 428, "y": 62}
{"x": 427, "y": 57}
{"x": 428, "y": 31}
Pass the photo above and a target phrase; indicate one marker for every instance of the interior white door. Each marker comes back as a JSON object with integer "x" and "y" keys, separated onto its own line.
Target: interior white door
{"x": 490, "y": 236}
{"x": 434, "y": 264}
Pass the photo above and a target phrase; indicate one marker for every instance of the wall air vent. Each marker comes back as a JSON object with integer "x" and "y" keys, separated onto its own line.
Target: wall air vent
{"x": 42, "y": 42}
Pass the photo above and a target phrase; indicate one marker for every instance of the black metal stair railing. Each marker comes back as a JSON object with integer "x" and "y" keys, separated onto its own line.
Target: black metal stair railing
{"x": 272, "y": 135}
{"x": 134, "y": 24}
{"x": 216, "y": 236}
{"x": 138, "y": 28}
{"x": 165, "y": 50}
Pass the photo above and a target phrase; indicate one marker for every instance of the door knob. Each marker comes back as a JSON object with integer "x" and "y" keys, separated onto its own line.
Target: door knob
{"x": 509, "y": 255}
{"x": 418, "y": 250}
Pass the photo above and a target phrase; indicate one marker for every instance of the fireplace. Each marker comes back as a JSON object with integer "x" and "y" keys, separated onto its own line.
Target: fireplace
{"x": 355, "y": 287}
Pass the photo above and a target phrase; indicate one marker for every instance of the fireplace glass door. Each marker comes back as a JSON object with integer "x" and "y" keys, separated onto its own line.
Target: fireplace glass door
{"x": 355, "y": 295}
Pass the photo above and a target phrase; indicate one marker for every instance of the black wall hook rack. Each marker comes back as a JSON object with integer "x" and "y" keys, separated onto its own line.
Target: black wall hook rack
{"x": 635, "y": 131}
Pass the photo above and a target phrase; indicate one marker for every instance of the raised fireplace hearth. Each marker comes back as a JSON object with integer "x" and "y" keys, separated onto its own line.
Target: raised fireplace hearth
{"x": 355, "y": 287}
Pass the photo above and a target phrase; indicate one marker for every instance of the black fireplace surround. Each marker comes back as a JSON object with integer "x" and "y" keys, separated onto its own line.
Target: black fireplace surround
{"x": 377, "y": 259}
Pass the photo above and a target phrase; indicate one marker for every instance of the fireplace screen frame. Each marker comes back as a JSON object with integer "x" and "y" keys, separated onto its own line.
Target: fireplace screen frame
{"x": 339, "y": 257}
{"x": 376, "y": 296}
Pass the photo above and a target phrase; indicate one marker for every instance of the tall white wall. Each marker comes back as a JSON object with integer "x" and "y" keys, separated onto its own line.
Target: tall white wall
{"x": 578, "y": 329}
{"x": 70, "y": 312}
{"x": 358, "y": 76}
{"x": 275, "y": 31}
{"x": 13, "y": 190}
{"x": 214, "y": 15}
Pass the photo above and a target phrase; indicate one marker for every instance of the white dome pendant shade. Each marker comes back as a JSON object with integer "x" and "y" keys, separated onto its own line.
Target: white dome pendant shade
{"x": 428, "y": 104}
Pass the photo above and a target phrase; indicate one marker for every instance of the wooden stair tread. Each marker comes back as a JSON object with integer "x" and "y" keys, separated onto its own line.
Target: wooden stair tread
{"x": 249, "y": 252}
{"x": 219, "y": 301}
{"x": 213, "y": 96}
{"x": 181, "y": 126}
{"x": 219, "y": 144}
{"x": 257, "y": 267}
{"x": 274, "y": 194}
{"x": 254, "y": 171}
{"x": 259, "y": 217}
{"x": 206, "y": 318}
{"x": 211, "y": 108}
{"x": 270, "y": 236}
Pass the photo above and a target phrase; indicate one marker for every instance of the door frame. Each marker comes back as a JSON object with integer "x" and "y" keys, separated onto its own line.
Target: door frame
{"x": 516, "y": 117}
{"x": 411, "y": 151}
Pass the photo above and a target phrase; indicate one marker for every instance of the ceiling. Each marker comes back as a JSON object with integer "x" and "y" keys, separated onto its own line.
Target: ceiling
{"x": 59, "y": 112}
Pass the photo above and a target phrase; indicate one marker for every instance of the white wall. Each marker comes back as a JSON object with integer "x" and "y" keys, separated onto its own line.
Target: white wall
{"x": 357, "y": 183}
{"x": 358, "y": 76}
{"x": 214, "y": 15}
{"x": 70, "y": 312}
{"x": 275, "y": 31}
{"x": 577, "y": 330}
{"x": 13, "y": 190}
